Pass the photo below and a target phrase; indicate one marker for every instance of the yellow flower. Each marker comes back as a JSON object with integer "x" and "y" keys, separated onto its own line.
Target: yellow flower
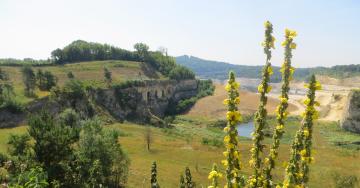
{"x": 268, "y": 89}
{"x": 228, "y": 87}
{"x": 226, "y": 101}
{"x": 303, "y": 152}
{"x": 233, "y": 116}
{"x": 237, "y": 100}
{"x": 226, "y": 129}
{"x": 270, "y": 70}
{"x": 225, "y": 162}
{"x": 293, "y": 45}
{"x": 284, "y": 43}
{"x": 267, "y": 24}
{"x": 280, "y": 127}
{"x": 307, "y": 101}
{"x": 306, "y": 133}
{"x": 272, "y": 43}
{"x": 260, "y": 88}
{"x": 318, "y": 86}
{"x": 225, "y": 153}
{"x": 292, "y": 70}
{"x": 227, "y": 139}
{"x": 251, "y": 162}
{"x": 283, "y": 100}
{"x": 235, "y": 85}
{"x": 290, "y": 33}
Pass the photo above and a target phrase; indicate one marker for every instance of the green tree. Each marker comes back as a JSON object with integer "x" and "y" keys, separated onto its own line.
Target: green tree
{"x": 19, "y": 145}
{"x": 181, "y": 73}
{"x": 100, "y": 153}
{"x": 52, "y": 144}
{"x": 29, "y": 80}
{"x": 46, "y": 80}
{"x": 142, "y": 50}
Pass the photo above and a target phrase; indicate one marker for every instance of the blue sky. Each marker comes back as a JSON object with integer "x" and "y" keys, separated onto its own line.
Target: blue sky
{"x": 231, "y": 31}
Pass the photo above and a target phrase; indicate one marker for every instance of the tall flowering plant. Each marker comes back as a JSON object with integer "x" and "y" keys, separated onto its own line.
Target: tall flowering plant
{"x": 233, "y": 116}
{"x": 287, "y": 72}
{"x": 261, "y": 114}
{"x": 297, "y": 171}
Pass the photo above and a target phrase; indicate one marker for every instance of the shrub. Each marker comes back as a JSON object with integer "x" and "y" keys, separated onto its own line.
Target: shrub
{"x": 212, "y": 142}
{"x": 181, "y": 73}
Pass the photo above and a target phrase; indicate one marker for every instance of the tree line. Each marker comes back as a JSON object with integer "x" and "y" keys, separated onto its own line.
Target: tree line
{"x": 80, "y": 50}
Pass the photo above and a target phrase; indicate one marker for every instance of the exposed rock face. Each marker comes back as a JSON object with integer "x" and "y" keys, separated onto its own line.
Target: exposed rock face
{"x": 134, "y": 103}
{"x": 351, "y": 118}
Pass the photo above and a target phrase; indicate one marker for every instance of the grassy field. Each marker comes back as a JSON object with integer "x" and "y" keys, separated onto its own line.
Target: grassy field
{"x": 176, "y": 148}
{"x": 85, "y": 71}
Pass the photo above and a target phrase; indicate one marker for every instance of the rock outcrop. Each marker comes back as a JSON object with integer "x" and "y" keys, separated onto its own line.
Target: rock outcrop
{"x": 351, "y": 117}
{"x": 136, "y": 103}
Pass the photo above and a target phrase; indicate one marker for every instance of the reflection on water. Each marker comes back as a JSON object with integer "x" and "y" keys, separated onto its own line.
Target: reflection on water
{"x": 245, "y": 129}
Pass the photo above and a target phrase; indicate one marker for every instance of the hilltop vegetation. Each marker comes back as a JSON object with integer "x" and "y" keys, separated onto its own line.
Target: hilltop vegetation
{"x": 219, "y": 70}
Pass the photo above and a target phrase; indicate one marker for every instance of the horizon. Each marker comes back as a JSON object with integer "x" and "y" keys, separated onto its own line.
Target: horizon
{"x": 228, "y": 31}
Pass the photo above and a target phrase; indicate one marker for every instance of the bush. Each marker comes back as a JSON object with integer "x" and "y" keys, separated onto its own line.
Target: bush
{"x": 212, "y": 142}
{"x": 13, "y": 106}
{"x": 181, "y": 73}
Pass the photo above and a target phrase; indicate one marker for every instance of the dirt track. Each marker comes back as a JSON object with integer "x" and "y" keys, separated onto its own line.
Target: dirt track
{"x": 332, "y": 99}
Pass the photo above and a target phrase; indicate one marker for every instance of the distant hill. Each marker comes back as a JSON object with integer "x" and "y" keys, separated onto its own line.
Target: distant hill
{"x": 219, "y": 70}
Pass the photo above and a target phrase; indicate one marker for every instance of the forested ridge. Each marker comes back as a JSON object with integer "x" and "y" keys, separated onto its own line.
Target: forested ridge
{"x": 219, "y": 70}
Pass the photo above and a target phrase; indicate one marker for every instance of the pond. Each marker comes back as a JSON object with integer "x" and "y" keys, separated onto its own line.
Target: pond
{"x": 245, "y": 129}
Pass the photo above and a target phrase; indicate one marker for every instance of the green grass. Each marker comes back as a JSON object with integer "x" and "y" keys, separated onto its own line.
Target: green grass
{"x": 182, "y": 146}
{"x": 90, "y": 72}
{"x": 5, "y": 134}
